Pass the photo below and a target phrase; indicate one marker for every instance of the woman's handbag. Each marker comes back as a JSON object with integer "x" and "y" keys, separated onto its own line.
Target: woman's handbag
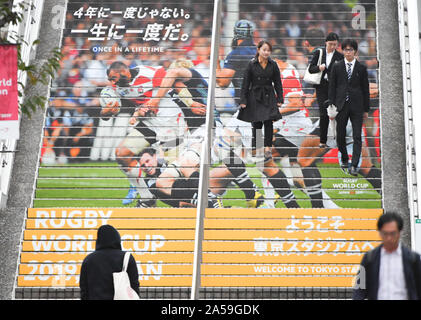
{"x": 122, "y": 288}
{"x": 314, "y": 78}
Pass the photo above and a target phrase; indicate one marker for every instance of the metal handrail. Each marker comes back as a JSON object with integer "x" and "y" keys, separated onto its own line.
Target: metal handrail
{"x": 206, "y": 156}
{"x": 408, "y": 28}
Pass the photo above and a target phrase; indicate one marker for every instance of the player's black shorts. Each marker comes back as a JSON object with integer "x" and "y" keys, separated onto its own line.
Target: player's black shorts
{"x": 285, "y": 147}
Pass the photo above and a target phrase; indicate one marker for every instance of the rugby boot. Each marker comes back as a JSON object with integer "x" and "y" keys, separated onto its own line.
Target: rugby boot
{"x": 131, "y": 196}
{"x": 258, "y": 200}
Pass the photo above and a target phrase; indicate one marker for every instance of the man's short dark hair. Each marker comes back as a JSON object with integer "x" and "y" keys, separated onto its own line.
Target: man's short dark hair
{"x": 314, "y": 37}
{"x": 116, "y": 65}
{"x": 390, "y": 217}
{"x": 150, "y": 151}
{"x": 332, "y": 37}
{"x": 280, "y": 52}
{"x": 350, "y": 43}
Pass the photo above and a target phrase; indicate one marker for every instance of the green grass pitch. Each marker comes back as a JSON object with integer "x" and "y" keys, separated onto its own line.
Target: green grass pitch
{"x": 102, "y": 184}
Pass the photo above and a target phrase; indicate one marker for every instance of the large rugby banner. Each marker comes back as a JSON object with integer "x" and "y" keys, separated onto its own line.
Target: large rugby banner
{"x": 123, "y": 137}
{"x": 127, "y": 110}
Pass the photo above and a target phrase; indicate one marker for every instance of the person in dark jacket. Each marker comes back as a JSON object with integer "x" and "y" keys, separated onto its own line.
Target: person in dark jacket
{"x": 259, "y": 103}
{"x": 96, "y": 274}
{"x": 329, "y": 57}
{"x": 391, "y": 271}
{"x": 349, "y": 92}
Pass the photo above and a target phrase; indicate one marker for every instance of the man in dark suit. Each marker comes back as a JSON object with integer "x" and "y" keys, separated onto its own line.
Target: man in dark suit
{"x": 349, "y": 92}
{"x": 329, "y": 57}
{"x": 391, "y": 271}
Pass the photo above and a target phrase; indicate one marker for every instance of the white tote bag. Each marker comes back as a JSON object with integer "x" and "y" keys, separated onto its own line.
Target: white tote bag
{"x": 332, "y": 112}
{"x": 314, "y": 78}
{"x": 122, "y": 288}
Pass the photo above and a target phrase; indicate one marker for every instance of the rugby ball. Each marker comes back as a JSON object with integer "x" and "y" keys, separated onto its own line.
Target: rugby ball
{"x": 109, "y": 94}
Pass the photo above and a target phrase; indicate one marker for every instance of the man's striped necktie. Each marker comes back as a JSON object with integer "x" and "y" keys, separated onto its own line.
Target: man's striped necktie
{"x": 349, "y": 70}
{"x": 349, "y": 77}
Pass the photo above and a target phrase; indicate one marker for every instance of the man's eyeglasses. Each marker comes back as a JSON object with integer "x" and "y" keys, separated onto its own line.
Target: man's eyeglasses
{"x": 392, "y": 234}
{"x": 348, "y": 50}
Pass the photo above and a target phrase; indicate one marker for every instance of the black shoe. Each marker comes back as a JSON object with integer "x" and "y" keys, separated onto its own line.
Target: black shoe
{"x": 353, "y": 171}
{"x": 145, "y": 203}
{"x": 322, "y": 145}
{"x": 215, "y": 203}
{"x": 345, "y": 166}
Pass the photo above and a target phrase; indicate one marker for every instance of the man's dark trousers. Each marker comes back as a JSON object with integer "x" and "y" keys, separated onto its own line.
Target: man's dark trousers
{"x": 357, "y": 123}
{"x": 351, "y": 96}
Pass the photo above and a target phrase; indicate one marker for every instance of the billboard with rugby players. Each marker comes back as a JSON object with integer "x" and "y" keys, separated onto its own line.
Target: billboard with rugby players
{"x": 123, "y": 135}
{"x": 127, "y": 109}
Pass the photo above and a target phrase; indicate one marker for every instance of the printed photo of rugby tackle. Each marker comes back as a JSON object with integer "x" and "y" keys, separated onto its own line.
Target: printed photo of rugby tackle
{"x": 127, "y": 110}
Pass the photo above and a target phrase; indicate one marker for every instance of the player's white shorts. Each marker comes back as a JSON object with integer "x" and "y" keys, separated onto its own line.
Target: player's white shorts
{"x": 195, "y": 136}
{"x": 192, "y": 153}
{"x": 135, "y": 141}
{"x": 295, "y": 127}
{"x": 222, "y": 145}
{"x": 231, "y": 138}
{"x": 243, "y": 128}
{"x": 168, "y": 124}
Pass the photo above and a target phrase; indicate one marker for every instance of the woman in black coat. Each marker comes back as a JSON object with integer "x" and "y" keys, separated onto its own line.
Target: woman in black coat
{"x": 259, "y": 103}
{"x": 96, "y": 274}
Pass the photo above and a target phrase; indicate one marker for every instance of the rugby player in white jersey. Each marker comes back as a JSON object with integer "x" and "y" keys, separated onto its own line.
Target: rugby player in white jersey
{"x": 163, "y": 126}
{"x": 189, "y": 90}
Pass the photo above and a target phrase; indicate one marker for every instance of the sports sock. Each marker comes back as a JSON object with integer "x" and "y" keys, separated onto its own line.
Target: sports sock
{"x": 241, "y": 177}
{"x": 313, "y": 182}
{"x": 186, "y": 190}
{"x": 279, "y": 182}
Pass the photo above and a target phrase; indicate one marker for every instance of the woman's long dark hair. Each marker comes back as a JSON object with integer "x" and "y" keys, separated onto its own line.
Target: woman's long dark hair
{"x": 260, "y": 44}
